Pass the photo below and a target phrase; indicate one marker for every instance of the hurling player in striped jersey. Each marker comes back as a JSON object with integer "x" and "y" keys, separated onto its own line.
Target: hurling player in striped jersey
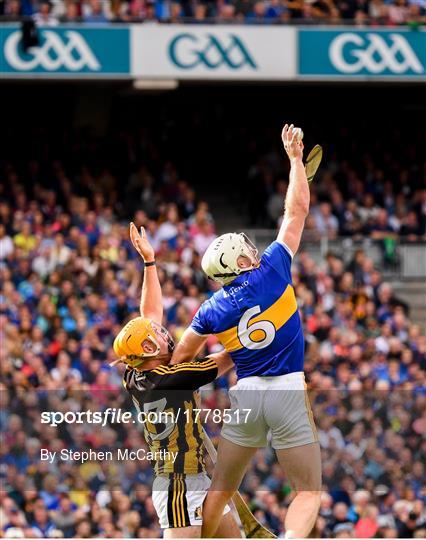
{"x": 176, "y": 439}
{"x": 255, "y": 317}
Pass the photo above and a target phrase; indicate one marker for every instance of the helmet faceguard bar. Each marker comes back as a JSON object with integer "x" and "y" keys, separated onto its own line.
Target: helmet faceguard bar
{"x": 252, "y": 248}
{"x": 252, "y": 253}
{"x": 165, "y": 335}
{"x": 162, "y": 333}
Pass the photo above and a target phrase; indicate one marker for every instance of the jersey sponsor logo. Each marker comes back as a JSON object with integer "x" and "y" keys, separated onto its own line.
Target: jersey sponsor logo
{"x": 351, "y": 53}
{"x": 233, "y": 290}
{"x": 188, "y": 51}
{"x": 70, "y": 52}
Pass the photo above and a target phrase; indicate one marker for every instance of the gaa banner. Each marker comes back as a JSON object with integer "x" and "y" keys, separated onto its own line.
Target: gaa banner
{"x": 69, "y": 51}
{"x": 326, "y": 54}
{"x": 214, "y": 52}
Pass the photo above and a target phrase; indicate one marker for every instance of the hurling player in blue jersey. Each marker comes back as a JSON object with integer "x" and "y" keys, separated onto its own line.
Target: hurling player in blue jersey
{"x": 255, "y": 317}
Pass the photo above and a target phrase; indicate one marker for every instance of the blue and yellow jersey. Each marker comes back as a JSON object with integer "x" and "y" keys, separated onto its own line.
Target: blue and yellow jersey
{"x": 256, "y": 318}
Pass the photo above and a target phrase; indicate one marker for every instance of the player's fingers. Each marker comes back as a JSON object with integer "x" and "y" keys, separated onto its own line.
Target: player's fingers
{"x": 143, "y": 233}
{"x": 287, "y": 138}
{"x": 284, "y": 132}
{"x": 134, "y": 236}
{"x": 290, "y": 133}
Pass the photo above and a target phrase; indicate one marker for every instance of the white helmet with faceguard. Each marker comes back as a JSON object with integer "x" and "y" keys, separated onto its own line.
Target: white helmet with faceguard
{"x": 220, "y": 261}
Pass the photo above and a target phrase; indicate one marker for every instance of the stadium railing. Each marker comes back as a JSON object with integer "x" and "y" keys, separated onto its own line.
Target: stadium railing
{"x": 396, "y": 259}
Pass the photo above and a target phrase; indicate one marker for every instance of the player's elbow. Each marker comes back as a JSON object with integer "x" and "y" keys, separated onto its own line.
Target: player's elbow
{"x": 298, "y": 210}
{"x": 181, "y": 354}
{"x": 304, "y": 210}
{"x": 303, "y": 206}
{"x": 155, "y": 315}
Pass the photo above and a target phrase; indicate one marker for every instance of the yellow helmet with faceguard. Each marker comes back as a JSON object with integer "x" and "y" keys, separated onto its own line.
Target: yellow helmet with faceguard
{"x": 139, "y": 339}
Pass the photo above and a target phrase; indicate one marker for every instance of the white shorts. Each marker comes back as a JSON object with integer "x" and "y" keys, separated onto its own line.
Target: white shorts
{"x": 178, "y": 499}
{"x": 278, "y": 407}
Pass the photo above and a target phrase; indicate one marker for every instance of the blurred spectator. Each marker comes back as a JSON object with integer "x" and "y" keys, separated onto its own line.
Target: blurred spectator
{"x": 12, "y": 10}
{"x": 204, "y": 237}
{"x": 96, "y": 11}
{"x": 398, "y": 12}
{"x": 6, "y": 243}
{"x": 44, "y": 16}
{"x": 72, "y": 13}
{"x": 326, "y": 223}
{"x": 275, "y": 204}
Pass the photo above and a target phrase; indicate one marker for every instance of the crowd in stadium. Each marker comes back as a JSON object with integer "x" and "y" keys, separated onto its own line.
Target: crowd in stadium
{"x": 376, "y": 12}
{"x": 70, "y": 279}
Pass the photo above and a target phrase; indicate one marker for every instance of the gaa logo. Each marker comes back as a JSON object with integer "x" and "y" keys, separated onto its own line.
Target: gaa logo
{"x": 373, "y": 54}
{"x": 188, "y": 51}
{"x": 70, "y": 52}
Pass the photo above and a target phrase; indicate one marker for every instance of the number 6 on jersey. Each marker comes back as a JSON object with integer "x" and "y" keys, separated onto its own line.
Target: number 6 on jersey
{"x": 257, "y": 335}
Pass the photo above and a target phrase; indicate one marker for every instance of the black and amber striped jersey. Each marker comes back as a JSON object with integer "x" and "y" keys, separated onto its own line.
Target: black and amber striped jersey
{"x": 166, "y": 398}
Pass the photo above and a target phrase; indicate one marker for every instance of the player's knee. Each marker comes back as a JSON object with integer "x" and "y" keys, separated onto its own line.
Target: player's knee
{"x": 220, "y": 496}
{"x": 228, "y": 494}
{"x": 311, "y": 497}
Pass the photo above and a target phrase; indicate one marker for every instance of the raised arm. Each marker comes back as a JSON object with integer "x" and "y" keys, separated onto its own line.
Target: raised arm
{"x": 151, "y": 305}
{"x": 296, "y": 207}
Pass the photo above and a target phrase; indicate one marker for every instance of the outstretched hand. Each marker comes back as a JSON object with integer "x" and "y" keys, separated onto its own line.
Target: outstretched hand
{"x": 292, "y": 145}
{"x": 141, "y": 243}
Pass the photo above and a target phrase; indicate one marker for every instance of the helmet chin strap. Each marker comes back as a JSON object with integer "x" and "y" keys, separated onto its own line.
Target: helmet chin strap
{"x": 230, "y": 274}
{"x": 153, "y": 361}
{"x": 234, "y": 274}
{"x": 143, "y": 363}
